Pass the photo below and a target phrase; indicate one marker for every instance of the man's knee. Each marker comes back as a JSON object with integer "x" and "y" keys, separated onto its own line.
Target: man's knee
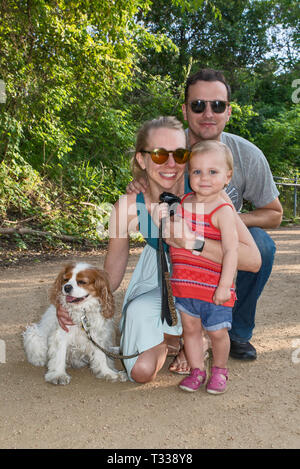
{"x": 264, "y": 243}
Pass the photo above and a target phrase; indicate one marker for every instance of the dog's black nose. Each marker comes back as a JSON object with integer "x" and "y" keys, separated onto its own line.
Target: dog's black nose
{"x": 68, "y": 288}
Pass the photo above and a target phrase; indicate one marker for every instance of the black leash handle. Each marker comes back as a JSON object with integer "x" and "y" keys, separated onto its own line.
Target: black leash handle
{"x": 168, "y": 311}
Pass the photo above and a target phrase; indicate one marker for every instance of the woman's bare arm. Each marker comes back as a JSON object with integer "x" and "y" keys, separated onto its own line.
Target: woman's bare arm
{"x": 177, "y": 234}
{"x": 118, "y": 248}
{"x": 116, "y": 261}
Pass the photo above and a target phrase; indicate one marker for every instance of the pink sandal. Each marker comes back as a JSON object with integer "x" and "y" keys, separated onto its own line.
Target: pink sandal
{"x": 193, "y": 382}
{"x": 218, "y": 381}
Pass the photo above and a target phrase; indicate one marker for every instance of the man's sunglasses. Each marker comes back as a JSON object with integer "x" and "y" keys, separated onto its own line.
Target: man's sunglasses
{"x": 217, "y": 106}
{"x": 160, "y": 155}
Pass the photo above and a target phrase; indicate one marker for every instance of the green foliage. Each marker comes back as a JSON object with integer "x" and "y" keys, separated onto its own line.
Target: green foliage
{"x": 96, "y": 184}
{"x": 280, "y": 141}
{"x": 61, "y": 60}
{"x": 20, "y": 185}
{"x": 240, "y": 119}
{"x": 223, "y": 34}
{"x": 81, "y": 77}
{"x": 76, "y": 210}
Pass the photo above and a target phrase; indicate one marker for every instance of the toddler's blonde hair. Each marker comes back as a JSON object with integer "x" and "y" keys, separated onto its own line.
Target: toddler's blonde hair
{"x": 213, "y": 145}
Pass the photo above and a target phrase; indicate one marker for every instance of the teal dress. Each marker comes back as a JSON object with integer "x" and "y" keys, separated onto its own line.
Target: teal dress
{"x": 141, "y": 326}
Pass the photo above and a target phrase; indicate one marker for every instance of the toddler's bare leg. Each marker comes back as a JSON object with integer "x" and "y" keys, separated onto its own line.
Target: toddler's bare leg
{"x": 220, "y": 347}
{"x": 193, "y": 340}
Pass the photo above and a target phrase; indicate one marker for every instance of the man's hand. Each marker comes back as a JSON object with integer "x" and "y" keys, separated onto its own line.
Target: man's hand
{"x": 137, "y": 186}
{"x": 63, "y": 318}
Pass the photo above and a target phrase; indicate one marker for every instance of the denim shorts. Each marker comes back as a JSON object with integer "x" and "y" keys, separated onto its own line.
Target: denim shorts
{"x": 213, "y": 317}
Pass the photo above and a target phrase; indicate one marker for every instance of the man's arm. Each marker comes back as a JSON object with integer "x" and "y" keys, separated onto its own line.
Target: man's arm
{"x": 137, "y": 186}
{"x": 269, "y": 216}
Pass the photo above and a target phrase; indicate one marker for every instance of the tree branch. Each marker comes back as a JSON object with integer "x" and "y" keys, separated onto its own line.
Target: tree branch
{"x": 21, "y": 231}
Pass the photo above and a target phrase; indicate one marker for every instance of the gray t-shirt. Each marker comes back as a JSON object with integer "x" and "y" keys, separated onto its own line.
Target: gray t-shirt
{"x": 252, "y": 178}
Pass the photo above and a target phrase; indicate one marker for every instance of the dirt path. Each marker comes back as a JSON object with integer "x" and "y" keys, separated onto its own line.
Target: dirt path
{"x": 260, "y": 409}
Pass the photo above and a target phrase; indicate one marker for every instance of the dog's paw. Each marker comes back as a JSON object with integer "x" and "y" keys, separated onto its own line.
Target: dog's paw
{"x": 112, "y": 375}
{"x": 123, "y": 376}
{"x": 117, "y": 376}
{"x": 37, "y": 361}
{"x": 54, "y": 378}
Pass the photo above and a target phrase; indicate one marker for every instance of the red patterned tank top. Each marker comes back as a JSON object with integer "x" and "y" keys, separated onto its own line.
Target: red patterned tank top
{"x": 195, "y": 276}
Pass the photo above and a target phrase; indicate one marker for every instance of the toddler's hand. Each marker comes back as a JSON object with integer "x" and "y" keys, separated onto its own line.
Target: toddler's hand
{"x": 222, "y": 294}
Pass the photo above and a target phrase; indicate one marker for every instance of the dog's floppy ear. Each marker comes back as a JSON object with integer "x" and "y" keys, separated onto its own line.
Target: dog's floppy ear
{"x": 104, "y": 294}
{"x": 57, "y": 285}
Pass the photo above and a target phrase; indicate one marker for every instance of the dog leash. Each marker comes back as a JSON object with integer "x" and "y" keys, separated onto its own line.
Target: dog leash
{"x": 168, "y": 311}
{"x": 86, "y": 327}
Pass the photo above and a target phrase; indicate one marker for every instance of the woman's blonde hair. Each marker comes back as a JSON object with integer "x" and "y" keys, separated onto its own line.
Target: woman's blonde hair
{"x": 215, "y": 145}
{"x": 168, "y": 122}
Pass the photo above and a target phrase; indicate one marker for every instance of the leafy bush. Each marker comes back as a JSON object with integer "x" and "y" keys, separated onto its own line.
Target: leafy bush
{"x": 240, "y": 119}
{"x": 21, "y": 190}
{"x": 79, "y": 207}
{"x": 279, "y": 140}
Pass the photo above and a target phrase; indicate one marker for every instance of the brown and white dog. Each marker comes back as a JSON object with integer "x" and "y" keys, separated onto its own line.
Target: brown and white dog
{"x": 81, "y": 289}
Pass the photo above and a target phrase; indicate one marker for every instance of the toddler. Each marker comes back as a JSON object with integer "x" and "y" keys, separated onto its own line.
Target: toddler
{"x": 203, "y": 289}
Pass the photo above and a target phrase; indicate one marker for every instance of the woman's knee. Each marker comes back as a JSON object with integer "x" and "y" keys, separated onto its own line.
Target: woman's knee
{"x": 143, "y": 372}
{"x": 149, "y": 363}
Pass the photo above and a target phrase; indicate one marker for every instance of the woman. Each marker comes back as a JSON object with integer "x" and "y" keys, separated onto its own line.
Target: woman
{"x": 141, "y": 327}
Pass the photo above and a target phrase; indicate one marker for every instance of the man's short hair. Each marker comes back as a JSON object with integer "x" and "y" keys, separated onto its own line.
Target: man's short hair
{"x": 206, "y": 74}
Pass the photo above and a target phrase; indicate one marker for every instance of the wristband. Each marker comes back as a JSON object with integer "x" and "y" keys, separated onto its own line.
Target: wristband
{"x": 198, "y": 246}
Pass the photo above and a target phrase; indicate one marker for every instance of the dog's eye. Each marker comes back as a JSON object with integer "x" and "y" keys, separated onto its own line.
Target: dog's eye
{"x": 65, "y": 280}
{"x": 81, "y": 282}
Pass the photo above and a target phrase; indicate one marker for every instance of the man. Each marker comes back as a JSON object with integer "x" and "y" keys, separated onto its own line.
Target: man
{"x": 206, "y": 95}
{"x": 207, "y": 110}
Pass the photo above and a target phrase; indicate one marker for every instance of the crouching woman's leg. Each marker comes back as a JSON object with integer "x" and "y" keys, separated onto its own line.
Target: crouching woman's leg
{"x": 149, "y": 363}
{"x": 142, "y": 331}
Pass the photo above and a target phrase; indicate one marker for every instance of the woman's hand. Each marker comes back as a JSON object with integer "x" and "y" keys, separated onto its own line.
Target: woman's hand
{"x": 159, "y": 212}
{"x": 177, "y": 233}
{"x": 63, "y": 318}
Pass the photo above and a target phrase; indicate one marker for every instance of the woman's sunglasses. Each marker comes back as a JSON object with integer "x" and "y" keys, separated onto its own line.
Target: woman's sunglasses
{"x": 160, "y": 155}
{"x": 216, "y": 106}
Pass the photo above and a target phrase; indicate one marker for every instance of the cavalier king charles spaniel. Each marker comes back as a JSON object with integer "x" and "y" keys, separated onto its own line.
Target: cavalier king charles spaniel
{"x": 82, "y": 290}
